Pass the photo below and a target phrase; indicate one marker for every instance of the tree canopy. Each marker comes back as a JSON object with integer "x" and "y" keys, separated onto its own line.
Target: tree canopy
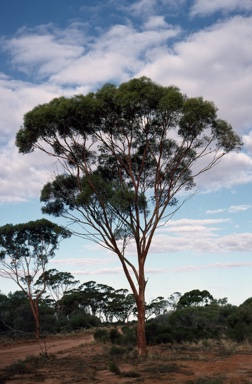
{"x": 126, "y": 152}
{"x": 25, "y": 250}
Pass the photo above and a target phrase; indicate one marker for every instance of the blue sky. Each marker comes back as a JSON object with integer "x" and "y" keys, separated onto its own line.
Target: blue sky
{"x": 51, "y": 48}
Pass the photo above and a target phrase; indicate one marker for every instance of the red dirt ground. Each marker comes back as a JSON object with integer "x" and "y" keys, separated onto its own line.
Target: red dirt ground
{"x": 78, "y": 359}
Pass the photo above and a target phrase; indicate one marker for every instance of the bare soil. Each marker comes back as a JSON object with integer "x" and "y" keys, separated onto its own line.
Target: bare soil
{"x": 79, "y": 359}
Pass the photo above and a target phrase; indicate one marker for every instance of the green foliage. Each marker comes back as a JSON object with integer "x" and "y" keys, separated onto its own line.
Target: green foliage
{"x": 26, "y": 365}
{"x": 115, "y": 336}
{"x": 240, "y": 322}
{"x": 57, "y": 283}
{"x": 193, "y": 323}
{"x": 113, "y": 367}
{"x": 188, "y": 323}
{"x": 117, "y": 351}
{"x": 18, "y": 367}
{"x": 82, "y": 320}
{"x": 195, "y": 298}
{"x": 102, "y": 335}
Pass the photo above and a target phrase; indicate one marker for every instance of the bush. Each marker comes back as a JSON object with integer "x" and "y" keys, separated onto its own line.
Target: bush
{"x": 113, "y": 367}
{"x": 117, "y": 351}
{"x": 80, "y": 320}
{"x": 101, "y": 335}
{"x": 115, "y": 336}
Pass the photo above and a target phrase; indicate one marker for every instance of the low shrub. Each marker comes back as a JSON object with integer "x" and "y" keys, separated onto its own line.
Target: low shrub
{"x": 101, "y": 335}
{"x": 117, "y": 351}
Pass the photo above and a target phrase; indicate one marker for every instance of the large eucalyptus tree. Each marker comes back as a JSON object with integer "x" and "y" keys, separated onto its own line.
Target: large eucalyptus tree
{"x": 126, "y": 151}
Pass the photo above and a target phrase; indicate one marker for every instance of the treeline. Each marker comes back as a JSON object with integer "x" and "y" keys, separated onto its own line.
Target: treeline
{"x": 68, "y": 306}
{"x": 197, "y": 320}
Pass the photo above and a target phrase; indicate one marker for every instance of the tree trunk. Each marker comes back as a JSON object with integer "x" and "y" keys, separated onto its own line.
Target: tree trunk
{"x": 35, "y": 311}
{"x": 141, "y": 339}
{"x": 140, "y": 301}
{"x": 37, "y": 331}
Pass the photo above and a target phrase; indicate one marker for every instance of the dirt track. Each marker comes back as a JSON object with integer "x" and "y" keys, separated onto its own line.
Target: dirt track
{"x": 14, "y": 352}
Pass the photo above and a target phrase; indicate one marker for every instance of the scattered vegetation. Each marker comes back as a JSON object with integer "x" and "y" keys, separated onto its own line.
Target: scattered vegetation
{"x": 164, "y": 361}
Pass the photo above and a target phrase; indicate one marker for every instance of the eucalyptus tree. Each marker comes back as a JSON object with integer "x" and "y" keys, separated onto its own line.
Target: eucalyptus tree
{"x": 195, "y": 298}
{"x": 156, "y": 307}
{"x": 121, "y": 305}
{"x": 126, "y": 152}
{"x": 25, "y": 250}
{"x": 57, "y": 283}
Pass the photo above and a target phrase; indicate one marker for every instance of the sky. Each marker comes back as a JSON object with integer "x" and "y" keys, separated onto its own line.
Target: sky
{"x": 52, "y": 48}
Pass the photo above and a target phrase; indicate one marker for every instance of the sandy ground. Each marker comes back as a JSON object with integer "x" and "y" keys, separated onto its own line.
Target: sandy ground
{"x": 78, "y": 359}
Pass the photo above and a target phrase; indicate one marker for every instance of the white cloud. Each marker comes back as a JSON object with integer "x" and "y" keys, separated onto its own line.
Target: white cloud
{"x": 214, "y": 211}
{"x": 157, "y": 271}
{"x": 155, "y": 22}
{"x": 143, "y": 7}
{"x": 234, "y": 169}
{"x": 231, "y": 209}
{"x": 221, "y": 265}
{"x": 247, "y": 141}
{"x": 82, "y": 262}
{"x": 198, "y": 236}
{"x": 212, "y": 63}
{"x": 44, "y": 50}
{"x": 22, "y": 178}
{"x": 239, "y": 208}
{"x": 116, "y": 55}
{"x": 203, "y": 242}
{"x": 207, "y": 7}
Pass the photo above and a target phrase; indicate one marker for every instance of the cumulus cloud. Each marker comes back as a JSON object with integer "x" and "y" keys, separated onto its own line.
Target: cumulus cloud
{"x": 208, "y": 7}
{"x": 214, "y": 64}
{"x": 118, "y": 54}
{"x": 144, "y": 8}
{"x": 22, "y": 179}
{"x": 44, "y": 50}
{"x": 234, "y": 169}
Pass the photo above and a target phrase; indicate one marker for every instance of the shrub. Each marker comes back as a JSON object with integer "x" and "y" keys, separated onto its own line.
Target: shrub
{"x": 115, "y": 336}
{"x": 117, "y": 351}
{"x": 113, "y": 367}
{"x": 101, "y": 335}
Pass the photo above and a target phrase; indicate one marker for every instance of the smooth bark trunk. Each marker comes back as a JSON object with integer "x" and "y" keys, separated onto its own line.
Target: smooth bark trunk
{"x": 141, "y": 338}
{"x": 35, "y": 311}
{"x": 140, "y": 300}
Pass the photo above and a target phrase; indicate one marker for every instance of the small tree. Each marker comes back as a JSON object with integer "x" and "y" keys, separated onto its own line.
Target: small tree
{"x": 25, "y": 250}
{"x": 126, "y": 151}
